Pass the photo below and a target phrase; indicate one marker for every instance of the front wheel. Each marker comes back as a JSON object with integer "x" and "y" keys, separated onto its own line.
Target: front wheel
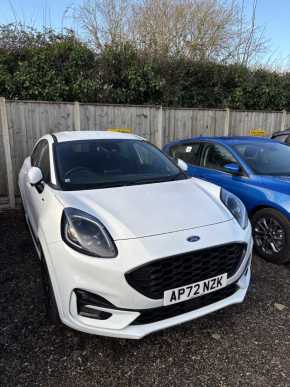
{"x": 271, "y": 234}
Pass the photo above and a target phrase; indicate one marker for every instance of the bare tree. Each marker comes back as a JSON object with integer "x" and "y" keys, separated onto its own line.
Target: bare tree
{"x": 249, "y": 39}
{"x": 157, "y": 25}
{"x": 104, "y": 21}
{"x": 199, "y": 29}
{"x": 210, "y": 29}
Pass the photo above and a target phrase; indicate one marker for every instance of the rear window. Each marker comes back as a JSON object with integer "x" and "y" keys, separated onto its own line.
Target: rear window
{"x": 187, "y": 152}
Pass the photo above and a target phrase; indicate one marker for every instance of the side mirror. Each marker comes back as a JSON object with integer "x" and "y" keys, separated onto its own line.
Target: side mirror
{"x": 34, "y": 176}
{"x": 182, "y": 164}
{"x": 232, "y": 168}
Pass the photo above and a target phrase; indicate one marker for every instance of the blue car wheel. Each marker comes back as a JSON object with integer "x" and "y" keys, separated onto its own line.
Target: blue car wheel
{"x": 271, "y": 233}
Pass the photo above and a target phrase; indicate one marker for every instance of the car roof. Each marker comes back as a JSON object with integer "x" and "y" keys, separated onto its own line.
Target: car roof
{"x": 236, "y": 139}
{"x": 94, "y": 135}
{"x": 226, "y": 140}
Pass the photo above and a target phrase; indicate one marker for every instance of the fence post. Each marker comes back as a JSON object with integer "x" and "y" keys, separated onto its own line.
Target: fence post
{"x": 77, "y": 116}
{"x": 160, "y": 134}
{"x": 283, "y": 121}
{"x": 7, "y": 152}
{"x": 227, "y": 122}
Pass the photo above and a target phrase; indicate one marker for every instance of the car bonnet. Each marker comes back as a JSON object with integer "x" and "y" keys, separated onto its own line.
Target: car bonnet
{"x": 151, "y": 209}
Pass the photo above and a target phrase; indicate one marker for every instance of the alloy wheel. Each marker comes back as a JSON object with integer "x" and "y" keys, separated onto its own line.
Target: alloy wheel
{"x": 269, "y": 235}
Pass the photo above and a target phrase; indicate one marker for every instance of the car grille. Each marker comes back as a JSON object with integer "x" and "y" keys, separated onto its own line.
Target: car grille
{"x": 148, "y": 316}
{"x": 154, "y": 278}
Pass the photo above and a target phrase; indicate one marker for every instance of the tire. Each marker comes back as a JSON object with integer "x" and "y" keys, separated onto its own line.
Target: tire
{"x": 271, "y": 234}
{"x": 49, "y": 297}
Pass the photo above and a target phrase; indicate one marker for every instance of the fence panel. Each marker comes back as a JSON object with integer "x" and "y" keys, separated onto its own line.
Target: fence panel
{"x": 141, "y": 119}
{"x": 242, "y": 122}
{"x": 287, "y": 121}
{"x": 183, "y": 123}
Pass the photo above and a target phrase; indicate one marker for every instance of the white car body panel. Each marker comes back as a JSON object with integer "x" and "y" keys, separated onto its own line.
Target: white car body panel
{"x": 147, "y": 222}
{"x": 163, "y": 208}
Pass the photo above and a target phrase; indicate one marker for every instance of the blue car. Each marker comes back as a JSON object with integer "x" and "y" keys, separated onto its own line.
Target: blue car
{"x": 257, "y": 170}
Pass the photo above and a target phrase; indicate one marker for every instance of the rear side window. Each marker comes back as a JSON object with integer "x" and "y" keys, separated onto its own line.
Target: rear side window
{"x": 216, "y": 157}
{"x": 189, "y": 152}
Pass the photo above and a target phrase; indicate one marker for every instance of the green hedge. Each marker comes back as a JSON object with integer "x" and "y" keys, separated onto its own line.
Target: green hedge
{"x": 65, "y": 69}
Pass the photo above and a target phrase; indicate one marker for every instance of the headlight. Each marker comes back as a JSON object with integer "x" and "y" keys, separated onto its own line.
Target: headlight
{"x": 86, "y": 234}
{"x": 237, "y": 208}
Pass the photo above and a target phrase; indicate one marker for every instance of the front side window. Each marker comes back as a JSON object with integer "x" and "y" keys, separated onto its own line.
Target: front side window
{"x": 188, "y": 152}
{"x": 35, "y": 156}
{"x": 216, "y": 156}
{"x": 90, "y": 164}
{"x": 266, "y": 158}
{"x": 44, "y": 163}
{"x": 40, "y": 158}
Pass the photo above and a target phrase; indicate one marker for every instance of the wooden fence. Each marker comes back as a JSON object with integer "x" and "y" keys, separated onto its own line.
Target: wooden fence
{"x": 23, "y": 122}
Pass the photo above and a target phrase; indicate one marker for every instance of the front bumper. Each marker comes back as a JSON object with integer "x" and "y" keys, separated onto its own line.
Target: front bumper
{"x": 106, "y": 277}
{"x": 139, "y": 331}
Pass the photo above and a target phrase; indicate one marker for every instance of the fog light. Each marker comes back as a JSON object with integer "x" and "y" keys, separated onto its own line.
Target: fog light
{"x": 87, "y": 304}
{"x": 87, "y": 311}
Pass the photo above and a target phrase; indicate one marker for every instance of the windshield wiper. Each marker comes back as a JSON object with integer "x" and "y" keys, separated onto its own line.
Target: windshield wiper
{"x": 178, "y": 176}
{"x": 159, "y": 180}
{"x": 112, "y": 185}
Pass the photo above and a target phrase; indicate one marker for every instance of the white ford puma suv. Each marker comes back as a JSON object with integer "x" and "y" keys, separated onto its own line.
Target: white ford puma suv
{"x": 129, "y": 244}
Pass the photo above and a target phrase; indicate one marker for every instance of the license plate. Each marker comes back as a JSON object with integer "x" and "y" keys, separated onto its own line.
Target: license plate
{"x": 197, "y": 289}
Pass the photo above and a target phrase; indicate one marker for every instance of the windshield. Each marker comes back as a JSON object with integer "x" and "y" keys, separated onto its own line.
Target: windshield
{"x": 266, "y": 158}
{"x": 90, "y": 164}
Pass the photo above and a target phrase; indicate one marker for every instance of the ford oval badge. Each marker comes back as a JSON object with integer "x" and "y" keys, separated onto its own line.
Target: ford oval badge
{"x": 193, "y": 238}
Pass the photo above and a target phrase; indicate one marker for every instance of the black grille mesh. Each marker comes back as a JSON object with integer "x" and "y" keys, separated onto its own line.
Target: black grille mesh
{"x": 155, "y": 277}
{"x": 148, "y": 316}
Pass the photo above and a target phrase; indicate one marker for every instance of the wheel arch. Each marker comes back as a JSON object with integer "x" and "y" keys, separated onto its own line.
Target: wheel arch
{"x": 46, "y": 257}
{"x": 271, "y": 206}
{"x": 280, "y": 256}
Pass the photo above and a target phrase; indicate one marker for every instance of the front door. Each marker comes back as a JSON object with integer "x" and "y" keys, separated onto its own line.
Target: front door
{"x": 214, "y": 157}
{"x": 34, "y": 195}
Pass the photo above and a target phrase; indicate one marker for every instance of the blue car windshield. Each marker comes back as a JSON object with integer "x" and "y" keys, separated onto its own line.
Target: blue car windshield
{"x": 266, "y": 158}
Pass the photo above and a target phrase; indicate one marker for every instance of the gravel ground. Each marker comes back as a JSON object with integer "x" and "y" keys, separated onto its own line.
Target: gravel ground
{"x": 246, "y": 344}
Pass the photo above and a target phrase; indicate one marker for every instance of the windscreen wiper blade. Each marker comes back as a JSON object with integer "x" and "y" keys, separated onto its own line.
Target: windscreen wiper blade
{"x": 142, "y": 181}
{"x": 159, "y": 180}
{"x": 178, "y": 176}
{"x": 113, "y": 185}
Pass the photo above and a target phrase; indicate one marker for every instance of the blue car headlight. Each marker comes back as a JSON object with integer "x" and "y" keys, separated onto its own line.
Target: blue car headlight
{"x": 236, "y": 207}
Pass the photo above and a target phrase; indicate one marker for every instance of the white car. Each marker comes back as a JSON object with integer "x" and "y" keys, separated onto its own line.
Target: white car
{"x": 128, "y": 243}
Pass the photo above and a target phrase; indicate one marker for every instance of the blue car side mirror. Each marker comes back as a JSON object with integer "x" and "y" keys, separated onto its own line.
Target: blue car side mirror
{"x": 232, "y": 168}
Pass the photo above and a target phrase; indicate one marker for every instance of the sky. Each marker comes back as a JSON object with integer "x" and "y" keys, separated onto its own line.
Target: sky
{"x": 274, "y": 15}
